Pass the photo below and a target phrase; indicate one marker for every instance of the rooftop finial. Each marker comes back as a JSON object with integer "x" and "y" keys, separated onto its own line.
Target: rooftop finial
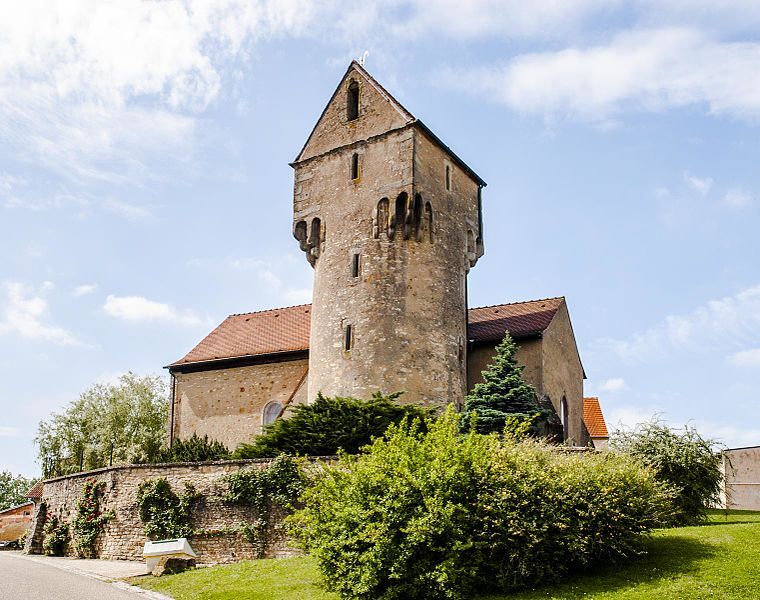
{"x": 363, "y": 58}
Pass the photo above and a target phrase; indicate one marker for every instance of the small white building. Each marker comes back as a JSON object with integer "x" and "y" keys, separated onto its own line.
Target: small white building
{"x": 741, "y": 467}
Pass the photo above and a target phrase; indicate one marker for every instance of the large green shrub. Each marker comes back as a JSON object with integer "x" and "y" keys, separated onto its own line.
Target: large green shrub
{"x": 194, "y": 449}
{"x": 682, "y": 458}
{"x": 436, "y": 514}
{"x": 329, "y": 425}
{"x": 165, "y": 514}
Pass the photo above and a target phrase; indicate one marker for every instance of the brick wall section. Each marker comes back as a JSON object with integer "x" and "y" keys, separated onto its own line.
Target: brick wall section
{"x": 123, "y": 537}
{"x": 227, "y": 404}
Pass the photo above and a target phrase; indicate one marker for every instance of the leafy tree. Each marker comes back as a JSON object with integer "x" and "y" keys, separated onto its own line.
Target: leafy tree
{"x": 128, "y": 416}
{"x": 329, "y": 425}
{"x": 13, "y": 489}
{"x": 682, "y": 458}
{"x": 502, "y": 397}
{"x": 194, "y": 449}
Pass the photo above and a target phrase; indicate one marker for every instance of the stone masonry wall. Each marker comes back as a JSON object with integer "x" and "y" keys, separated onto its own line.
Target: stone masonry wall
{"x": 123, "y": 537}
{"x": 228, "y": 404}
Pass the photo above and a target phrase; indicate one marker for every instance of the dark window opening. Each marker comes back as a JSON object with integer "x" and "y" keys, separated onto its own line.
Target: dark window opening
{"x": 382, "y": 217}
{"x": 348, "y": 338}
{"x": 355, "y": 167}
{"x": 564, "y": 418}
{"x": 300, "y": 234}
{"x": 417, "y": 221}
{"x": 355, "y": 264}
{"x": 352, "y": 103}
{"x": 429, "y": 219}
{"x": 399, "y": 217}
{"x": 448, "y": 177}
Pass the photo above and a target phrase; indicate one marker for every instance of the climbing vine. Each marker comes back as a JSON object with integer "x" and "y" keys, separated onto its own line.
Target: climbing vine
{"x": 56, "y": 536}
{"x": 165, "y": 514}
{"x": 89, "y": 520}
{"x": 265, "y": 490}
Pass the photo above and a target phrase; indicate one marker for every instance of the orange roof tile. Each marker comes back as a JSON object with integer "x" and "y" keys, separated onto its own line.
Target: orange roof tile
{"x": 282, "y": 330}
{"x": 594, "y": 419}
{"x": 35, "y": 491}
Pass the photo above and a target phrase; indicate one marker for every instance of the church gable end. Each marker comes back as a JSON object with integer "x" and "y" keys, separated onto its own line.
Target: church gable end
{"x": 360, "y": 108}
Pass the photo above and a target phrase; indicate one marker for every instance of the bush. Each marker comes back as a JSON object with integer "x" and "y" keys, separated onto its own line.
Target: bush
{"x": 329, "y": 425}
{"x": 275, "y": 487}
{"x": 683, "y": 459}
{"x": 163, "y": 513}
{"x": 428, "y": 515}
{"x": 56, "y": 536}
{"x": 194, "y": 449}
{"x": 89, "y": 520}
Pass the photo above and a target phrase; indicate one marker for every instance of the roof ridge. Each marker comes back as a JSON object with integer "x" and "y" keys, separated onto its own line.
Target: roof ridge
{"x": 257, "y": 312}
{"x": 518, "y": 302}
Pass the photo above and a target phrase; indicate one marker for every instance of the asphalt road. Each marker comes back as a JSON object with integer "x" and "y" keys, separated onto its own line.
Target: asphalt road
{"x": 23, "y": 579}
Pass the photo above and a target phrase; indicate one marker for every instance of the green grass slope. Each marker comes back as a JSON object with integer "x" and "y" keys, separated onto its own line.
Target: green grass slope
{"x": 716, "y": 561}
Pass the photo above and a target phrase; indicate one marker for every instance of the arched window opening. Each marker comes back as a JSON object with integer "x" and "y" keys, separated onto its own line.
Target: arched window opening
{"x": 316, "y": 233}
{"x": 417, "y": 210}
{"x": 352, "y": 103}
{"x": 299, "y": 232}
{"x": 381, "y": 223}
{"x": 399, "y": 217}
{"x": 355, "y": 166}
{"x": 348, "y": 338}
{"x": 448, "y": 177}
{"x": 272, "y": 412}
{"x": 429, "y": 220}
{"x": 563, "y": 416}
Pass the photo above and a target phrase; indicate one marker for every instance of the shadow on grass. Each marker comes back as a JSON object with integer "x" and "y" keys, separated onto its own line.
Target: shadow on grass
{"x": 666, "y": 558}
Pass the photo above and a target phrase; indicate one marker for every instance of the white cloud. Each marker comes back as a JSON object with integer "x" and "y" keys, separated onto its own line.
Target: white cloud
{"x": 24, "y": 314}
{"x": 10, "y": 431}
{"x": 84, "y": 289}
{"x": 133, "y": 212}
{"x": 616, "y": 384}
{"x": 737, "y": 198}
{"x": 140, "y": 309}
{"x": 90, "y": 88}
{"x": 729, "y": 321}
{"x": 746, "y": 358}
{"x": 701, "y": 185}
{"x": 650, "y": 70}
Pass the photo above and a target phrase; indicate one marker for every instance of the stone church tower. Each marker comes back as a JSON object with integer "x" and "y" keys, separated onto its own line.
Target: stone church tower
{"x": 390, "y": 219}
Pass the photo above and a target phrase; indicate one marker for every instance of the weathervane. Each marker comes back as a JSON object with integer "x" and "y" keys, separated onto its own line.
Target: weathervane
{"x": 363, "y": 59}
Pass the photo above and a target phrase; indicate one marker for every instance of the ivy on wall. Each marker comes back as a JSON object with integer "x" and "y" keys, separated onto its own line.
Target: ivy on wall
{"x": 165, "y": 514}
{"x": 56, "y": 536}
{"x": 277, "y": 486}
{"x": 89, "y": 520}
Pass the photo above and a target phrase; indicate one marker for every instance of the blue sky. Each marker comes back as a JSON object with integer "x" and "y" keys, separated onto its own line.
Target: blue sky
{"x": 145, "y": 191}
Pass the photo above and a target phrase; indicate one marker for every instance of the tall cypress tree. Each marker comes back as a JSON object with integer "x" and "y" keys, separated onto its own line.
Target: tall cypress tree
{"x": 502, "y": 393}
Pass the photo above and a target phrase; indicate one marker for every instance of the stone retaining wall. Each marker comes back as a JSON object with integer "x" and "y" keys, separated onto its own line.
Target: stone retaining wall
{"x": 123, "y": 536}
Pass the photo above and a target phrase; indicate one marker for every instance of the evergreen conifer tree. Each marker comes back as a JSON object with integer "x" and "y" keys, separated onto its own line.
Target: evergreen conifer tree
{"x": 502, "y": 395}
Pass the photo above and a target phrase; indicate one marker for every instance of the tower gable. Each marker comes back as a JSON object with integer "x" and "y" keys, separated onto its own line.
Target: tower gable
{"x": 347, "y": 119}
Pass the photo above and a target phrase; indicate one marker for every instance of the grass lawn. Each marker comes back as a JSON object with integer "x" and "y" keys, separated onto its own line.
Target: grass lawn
{"x": 719, "y": 560}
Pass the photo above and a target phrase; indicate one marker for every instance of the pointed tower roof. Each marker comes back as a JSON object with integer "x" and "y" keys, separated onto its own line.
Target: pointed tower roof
{"x": 401, "y": 118}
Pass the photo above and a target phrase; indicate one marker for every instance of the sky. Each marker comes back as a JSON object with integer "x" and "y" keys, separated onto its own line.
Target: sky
{"x": 145, "y": 191}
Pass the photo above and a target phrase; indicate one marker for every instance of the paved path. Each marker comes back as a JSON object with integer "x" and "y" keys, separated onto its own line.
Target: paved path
{"x": 43, "y": 578}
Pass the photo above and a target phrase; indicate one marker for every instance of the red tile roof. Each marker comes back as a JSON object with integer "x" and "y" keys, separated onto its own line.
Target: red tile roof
{"x": 282, "y": 330}
{"x": 594, "y": 419}
{"x": 35, "y": 492}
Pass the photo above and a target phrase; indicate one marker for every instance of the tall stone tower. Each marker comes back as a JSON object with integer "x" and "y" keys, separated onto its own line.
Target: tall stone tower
{"x": 390, "y": 219}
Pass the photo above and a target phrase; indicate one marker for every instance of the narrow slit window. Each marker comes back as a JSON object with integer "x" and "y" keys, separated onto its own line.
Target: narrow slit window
{"x": 448, "y": 177}
{"x": 348, "y": 338}
{"x": 355, "y": 264}
{"x": 355, "y": 167}
{"x": 352, "y": 102}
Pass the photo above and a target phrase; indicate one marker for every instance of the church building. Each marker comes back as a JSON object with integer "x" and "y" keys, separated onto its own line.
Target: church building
{"x": 391, "y": 221}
